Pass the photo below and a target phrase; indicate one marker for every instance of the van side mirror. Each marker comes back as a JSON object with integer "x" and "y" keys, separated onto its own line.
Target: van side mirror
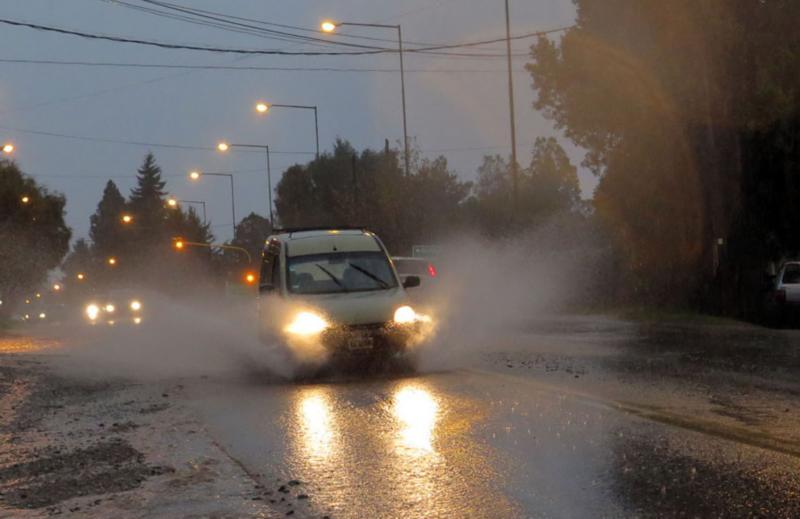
{"x": 411, "y": 282}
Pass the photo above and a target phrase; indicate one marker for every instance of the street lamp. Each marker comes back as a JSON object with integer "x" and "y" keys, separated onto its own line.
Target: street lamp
{"x": 174, "y": 203}
{"x": 112, "y": 261}
{"x": 25, "y": 199}
{"x": 264, "y": 107}
{"x": 57, "y": 287}
{"x": 8, "y": 148}
{"x": 224, "y": 146}
{"x": 330, "y": 26}
{"x": 195, "y": 175}
{"x": 81, "y": 276}
{"x": 126, "y": 219}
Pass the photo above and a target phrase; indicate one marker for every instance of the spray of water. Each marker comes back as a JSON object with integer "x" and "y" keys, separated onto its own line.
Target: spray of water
{"x": 489, "y": 292}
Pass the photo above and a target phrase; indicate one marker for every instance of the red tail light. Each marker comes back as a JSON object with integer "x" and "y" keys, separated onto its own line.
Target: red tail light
{"x": 780, "y": 295}
{"x": 431, "y": 270}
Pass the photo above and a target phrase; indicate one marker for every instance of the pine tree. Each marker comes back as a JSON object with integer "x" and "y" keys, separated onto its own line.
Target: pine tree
{"x": 105, "y": 229}
{"x": 147, "y": 198}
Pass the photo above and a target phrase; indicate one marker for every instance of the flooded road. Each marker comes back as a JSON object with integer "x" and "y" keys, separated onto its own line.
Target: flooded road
{"x": 483, "y": 445}
{"x": 574, "y": 418}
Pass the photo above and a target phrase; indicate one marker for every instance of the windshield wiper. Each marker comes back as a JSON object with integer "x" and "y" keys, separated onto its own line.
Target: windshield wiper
{"x": 370, "y": 275}
{"x": 334, "y": 278}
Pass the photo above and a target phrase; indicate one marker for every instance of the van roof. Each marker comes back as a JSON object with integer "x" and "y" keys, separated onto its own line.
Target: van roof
{"x": 305, "y": 242}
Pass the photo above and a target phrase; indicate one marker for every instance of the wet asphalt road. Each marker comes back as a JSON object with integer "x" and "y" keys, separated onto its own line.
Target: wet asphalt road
{"x": 483, "y": 444}
{"x": 572, "y": 418}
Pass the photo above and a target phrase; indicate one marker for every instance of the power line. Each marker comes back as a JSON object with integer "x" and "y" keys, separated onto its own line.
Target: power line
{"x": 276, "y": 52}
{"x": 254, "y": 68}
{"x": 190, "y": 16}
{"x": 134, "y": 143}
{"x": 93, "y": 176}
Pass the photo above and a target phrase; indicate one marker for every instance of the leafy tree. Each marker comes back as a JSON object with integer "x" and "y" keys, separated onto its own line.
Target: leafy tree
{"x": 251, "y": 234}
{"x": 550, "y": 184}
{"x": 370, "y": 188}
{"x": 33, "y": 234}
{"x": 672, "y": 100}
{"x": 547, "y": 187}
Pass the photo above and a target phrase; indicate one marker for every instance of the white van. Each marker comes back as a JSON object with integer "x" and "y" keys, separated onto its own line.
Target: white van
{"x": 335, "y": 292}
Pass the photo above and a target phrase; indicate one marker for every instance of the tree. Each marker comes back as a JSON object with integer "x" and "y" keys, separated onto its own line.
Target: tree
{"x": 105, "y": 230}
{"x": 147, "y": 198}
{"x": 251, "y": 234}
{"x": 670, "y": 99}
{"x": 550, "y": 184}
{"x": 547, "y": 187}
{"x": 33, "y": 234}
{"x": 370, "y": 189}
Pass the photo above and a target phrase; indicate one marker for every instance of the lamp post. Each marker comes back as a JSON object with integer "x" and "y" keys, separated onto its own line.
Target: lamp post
{"x": 195, "y": 175}
{"x": 514, "y": 168}
{"x": 263, "y": 108}
{"x": 173, "y": 203}
{"x": 225, "y": 146}
{"x": 8, "y": 148}
{"x": 329, "y": 26}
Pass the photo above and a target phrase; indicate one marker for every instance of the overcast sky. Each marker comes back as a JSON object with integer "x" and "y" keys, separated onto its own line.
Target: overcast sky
{"x": 462, "y": 115}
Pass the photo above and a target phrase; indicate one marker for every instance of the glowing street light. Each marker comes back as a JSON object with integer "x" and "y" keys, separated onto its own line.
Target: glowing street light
{"x": 178, "y": 243}
{"x": 264, "y": 147}
{"x": 112, "y": 261}
{"x": 25, "y": 199}
{"x": 174, "y": 203}
{"x": 8, "y": 148}
{"x": 81, "y": 276}
{"x": 264, "y": 107}
{"x": 329, "y": 27}
{"x": 57, "y": 287}
{"x": 195, "y": 175}
{"x": 249, "y": 278}
{"x": 126, "y": 218}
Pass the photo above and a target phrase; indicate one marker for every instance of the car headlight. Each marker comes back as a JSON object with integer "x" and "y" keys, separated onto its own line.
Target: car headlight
{"x": 136, "y": 305}
{"x": 92, "y": 311}
{"x": 307, "y": 323}
{"x": 405, "y": 315}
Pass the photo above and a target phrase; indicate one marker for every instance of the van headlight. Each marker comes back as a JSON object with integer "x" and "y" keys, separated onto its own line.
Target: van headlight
{"x": 405, "y": 315}
{"x": 306, "y": 324}
{"x": 92, "y": 311}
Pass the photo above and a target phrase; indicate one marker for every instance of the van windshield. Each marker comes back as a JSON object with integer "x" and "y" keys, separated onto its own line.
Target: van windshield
{"x": 339, "y": 272}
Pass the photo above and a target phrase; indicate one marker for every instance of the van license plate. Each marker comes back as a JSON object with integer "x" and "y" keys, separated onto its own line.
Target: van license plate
{"x": 359, "y": 342}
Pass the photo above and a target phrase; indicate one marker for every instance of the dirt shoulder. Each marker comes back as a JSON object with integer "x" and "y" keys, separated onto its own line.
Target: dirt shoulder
{"x": 109, "y": 448}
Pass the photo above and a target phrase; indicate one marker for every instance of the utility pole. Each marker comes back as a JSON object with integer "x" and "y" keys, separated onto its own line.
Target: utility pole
{"x": 514, "y": 169}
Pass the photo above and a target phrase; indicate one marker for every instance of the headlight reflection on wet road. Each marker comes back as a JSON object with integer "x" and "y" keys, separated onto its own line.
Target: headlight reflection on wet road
{"x": 417, "y": 411}
{"x": 317, "y": 435}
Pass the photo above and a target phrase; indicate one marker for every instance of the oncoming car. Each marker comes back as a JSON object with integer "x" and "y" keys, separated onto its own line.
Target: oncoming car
{"x": 334, "y": 293}
{"x": 117, "y": 307}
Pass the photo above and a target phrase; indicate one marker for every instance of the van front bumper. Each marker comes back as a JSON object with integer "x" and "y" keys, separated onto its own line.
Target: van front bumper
{"x": 382, "y": 337}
